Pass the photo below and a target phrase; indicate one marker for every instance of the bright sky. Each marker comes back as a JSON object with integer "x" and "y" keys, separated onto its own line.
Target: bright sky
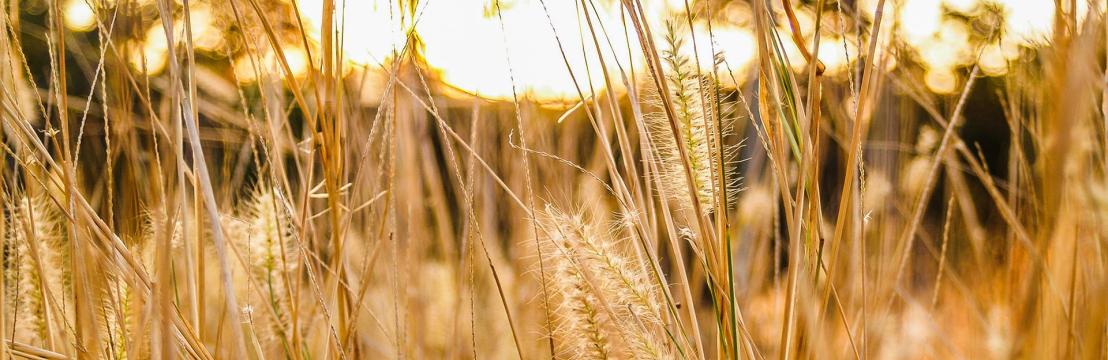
{"x": 466, "y": 42}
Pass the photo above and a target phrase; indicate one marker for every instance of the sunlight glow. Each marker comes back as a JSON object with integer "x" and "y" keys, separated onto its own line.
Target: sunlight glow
{"x": 296, "y": 57}
{"x": 920, "y": 20}
{"x": 737, "y": 46}
{"x": 833, "y": 55}
{"x": 1028, "y": 21}
{"x": 150, "y": 54}
{"x": 206, "y": 35}
{"x": 79, "y": 16}
{"x": 941, "y": 81}
{"x": 373, "y": 28}
{"x": 465, "y": 43}
{"x": 962, "y": 6}
{"x": 993, "y": 61}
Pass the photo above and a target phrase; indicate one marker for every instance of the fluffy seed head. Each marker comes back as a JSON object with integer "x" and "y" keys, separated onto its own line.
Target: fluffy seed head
{"x": 697, "y": 106}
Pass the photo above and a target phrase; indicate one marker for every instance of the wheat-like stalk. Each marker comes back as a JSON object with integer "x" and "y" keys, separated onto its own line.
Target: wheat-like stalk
{"x": 269, "y": 179}
{"x": 261, "y": 233}
{"x": 695, "y": 104}
{"x": 44, "y": 280}
{"x": 593, "y": 273}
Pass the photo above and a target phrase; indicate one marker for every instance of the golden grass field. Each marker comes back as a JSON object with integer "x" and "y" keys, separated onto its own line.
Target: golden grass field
{"x": 554, "y": 179}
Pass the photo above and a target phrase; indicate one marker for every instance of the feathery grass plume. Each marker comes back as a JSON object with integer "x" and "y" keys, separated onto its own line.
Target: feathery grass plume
{"x": 120, "y": 304}
{"x": 146, "y": 247}
{"x": 834, "y": 251}
{"x": 116, "y": 316}
{"x": 22, "y": 294}
{"x": 43, "y": 278}
{"x": 135, "y": 305}
{"x": 603, "y": 291}
{"x": 581, "y": 329}
{"x": 261, "y": 233}
{"x": 694, "y": 104}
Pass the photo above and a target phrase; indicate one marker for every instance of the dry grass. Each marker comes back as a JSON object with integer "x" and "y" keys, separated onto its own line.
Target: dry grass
{"x": 349, "y": 211}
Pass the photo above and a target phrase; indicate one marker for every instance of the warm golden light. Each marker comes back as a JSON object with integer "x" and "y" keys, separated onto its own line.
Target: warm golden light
{"x": 296, "y": 58}
{"x": 372, "y": 28}
{"x": 466, "y": 44}
{"x": 206, "y": 36}
{"x": 737, "y": 46}
{"x": 941, "y": 80}
{"x": 569, "y": 179}
{"x": 920, "y": 20}
{"x": 1028, "y": 21}
{"x": 834, "y": 52}
{"x": 150, "y": 55}
{"x": 962, "y": 6}
{"x": 471, "y": 50}
{"x": 993, "y": 61}
{"x": 79, "y": 16}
